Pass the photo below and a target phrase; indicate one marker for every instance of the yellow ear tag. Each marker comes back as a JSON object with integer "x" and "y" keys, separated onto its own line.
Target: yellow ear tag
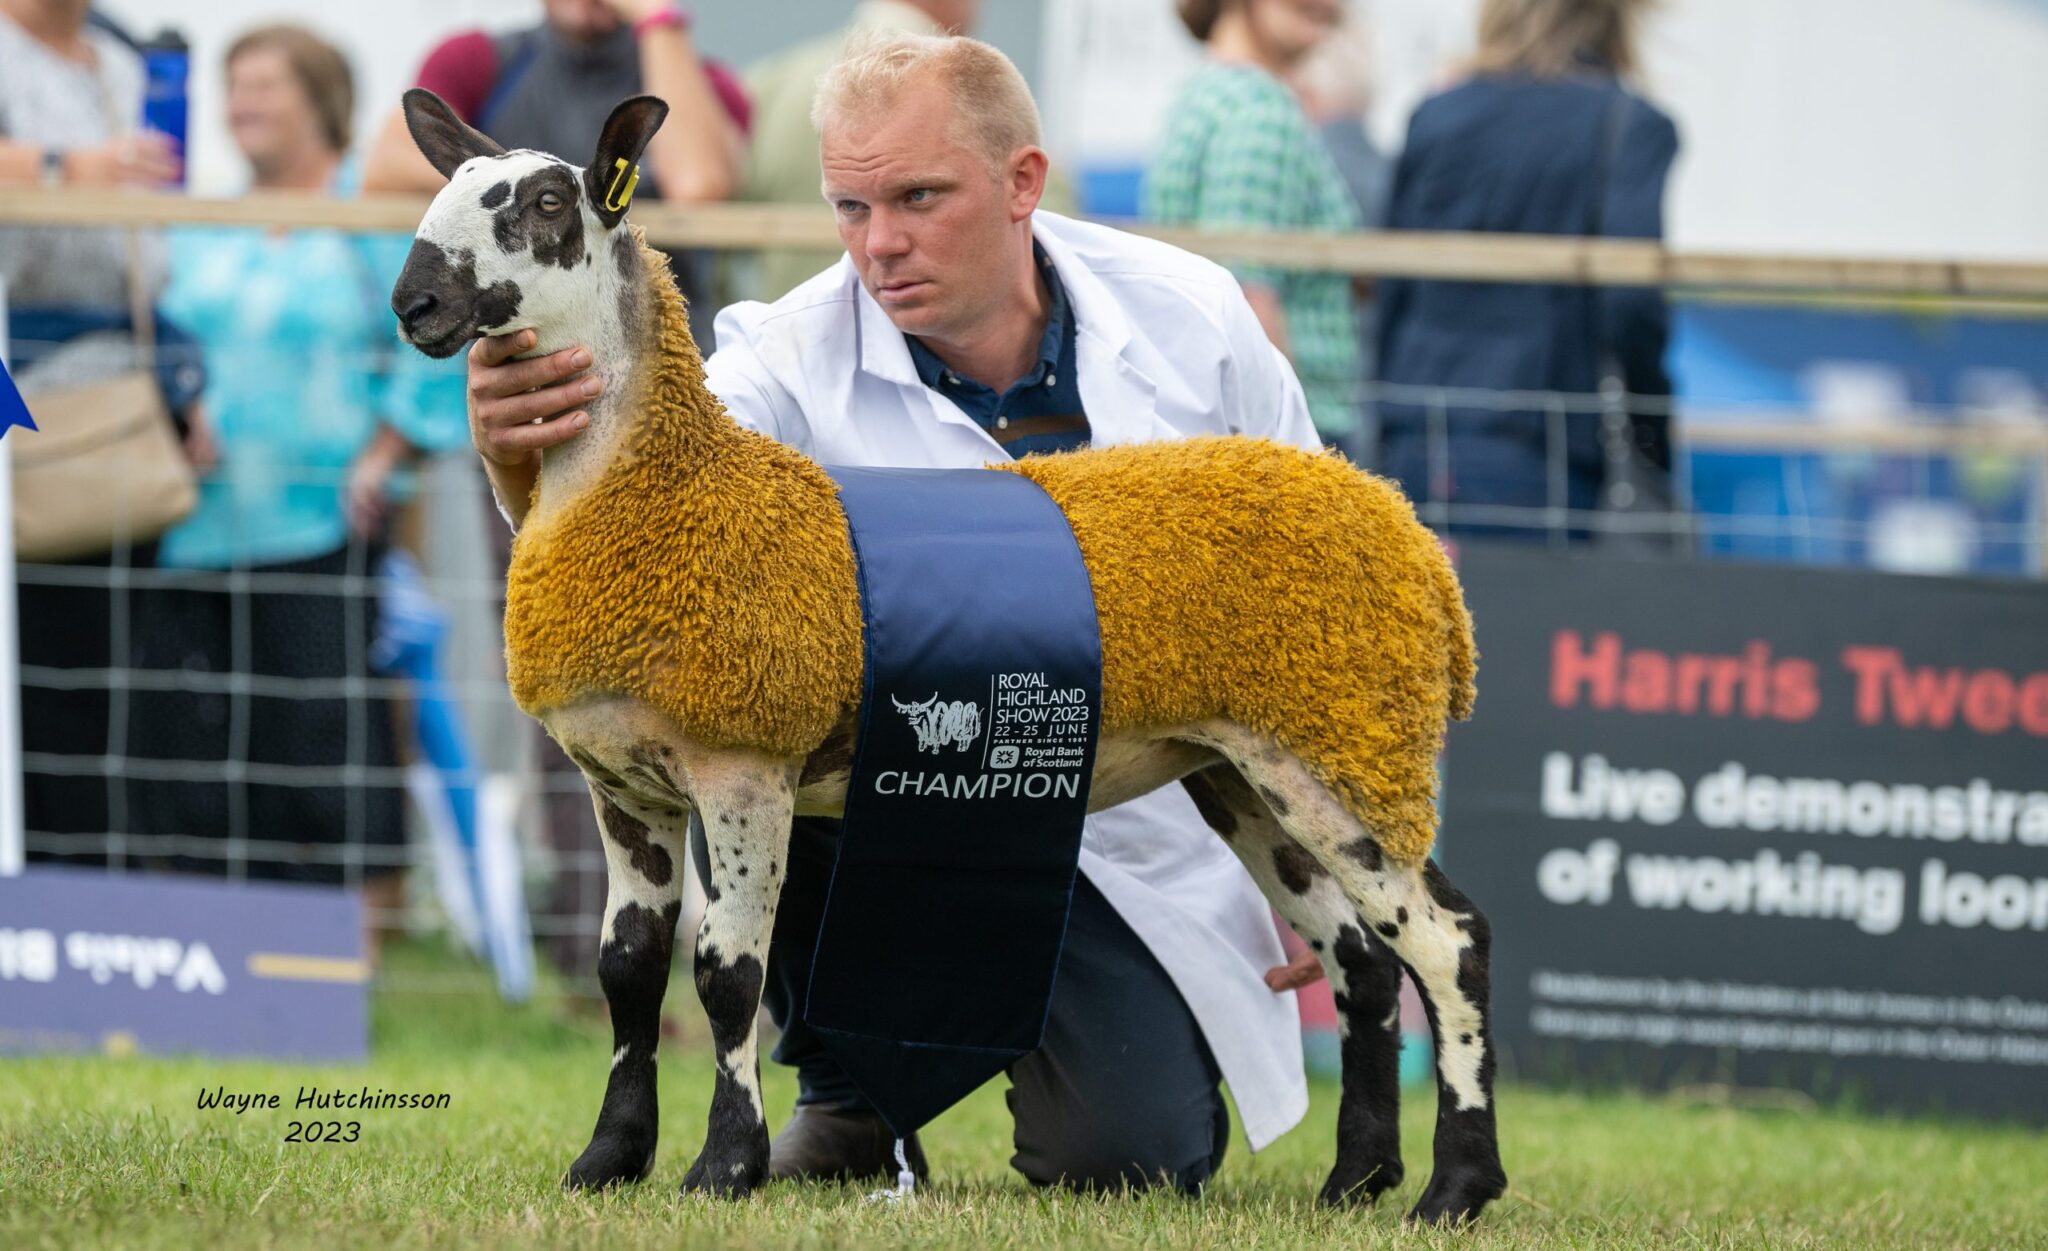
{"x": 616, "y": 201}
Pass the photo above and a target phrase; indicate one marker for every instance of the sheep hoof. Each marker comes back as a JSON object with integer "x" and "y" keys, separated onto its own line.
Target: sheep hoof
{"x": 611, "y": 1160}
{"x": 1455, "y": 1198}
{"x": 1355, "y": 1187}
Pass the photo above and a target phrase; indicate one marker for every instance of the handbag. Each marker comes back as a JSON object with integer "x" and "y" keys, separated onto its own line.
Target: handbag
{"x": 105, "y": 469}
{"x": 1633, "y": 483}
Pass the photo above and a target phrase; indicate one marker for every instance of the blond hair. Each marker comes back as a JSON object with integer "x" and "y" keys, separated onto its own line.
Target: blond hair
{"x": 1553, "y": 38}
{"x": 994, "y": 114}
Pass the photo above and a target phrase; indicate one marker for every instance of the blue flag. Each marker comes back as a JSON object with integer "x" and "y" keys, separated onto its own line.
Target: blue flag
{"x": 13, "y": 409}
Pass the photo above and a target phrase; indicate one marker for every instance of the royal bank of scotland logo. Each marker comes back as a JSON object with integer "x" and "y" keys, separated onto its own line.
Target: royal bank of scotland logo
{"x": 940, "y": 724}
{"x": 1003, "y": 756}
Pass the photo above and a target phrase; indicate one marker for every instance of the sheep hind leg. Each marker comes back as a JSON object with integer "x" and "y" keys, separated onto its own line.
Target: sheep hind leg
{"x": 745, "y": 803}
{"x": 643, "y": 863}
{"x": 1362, "y": 972}
{"x": 1440, "y": 938}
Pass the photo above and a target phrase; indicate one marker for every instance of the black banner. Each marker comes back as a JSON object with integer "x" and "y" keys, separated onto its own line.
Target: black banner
{"x": 1760, "y": 825}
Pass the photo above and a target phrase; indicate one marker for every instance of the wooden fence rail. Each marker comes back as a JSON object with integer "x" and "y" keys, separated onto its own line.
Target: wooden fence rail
{"x": 1405, "y": 254}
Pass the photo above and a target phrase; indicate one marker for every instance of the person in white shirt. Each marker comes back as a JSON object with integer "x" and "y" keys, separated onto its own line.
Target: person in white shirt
{"x": 965, "y": 326}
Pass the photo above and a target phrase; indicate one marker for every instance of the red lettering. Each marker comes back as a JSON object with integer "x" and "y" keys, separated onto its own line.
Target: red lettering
{"x": 1926, "y": 696}
{"x": 1987, "y": 701}
{"x": 1795, "y": 690}
{"x": 1870, "y": 665}
{"x": 2033, "y": 701}
{"x": 1571, "y": 666}
{"x": 1647, "y": 688}
{"x": 1723, "y": 673}
{"x": 1756, "y": 679}
{"x": 1692, "y": 671}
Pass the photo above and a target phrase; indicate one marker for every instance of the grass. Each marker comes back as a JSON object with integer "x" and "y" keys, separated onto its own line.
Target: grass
{"x": 98, "y": 1152}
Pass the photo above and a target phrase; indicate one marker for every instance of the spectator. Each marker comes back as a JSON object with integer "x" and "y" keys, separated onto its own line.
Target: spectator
{"x": 1241, "y": 154}
{"x": 70, "y": 111}
{"x": 782, "y": 161}
{"x": 311, "y": 432}
{"x": 550, "y": 88}
{"x": 1335, "y": 86}
{"x": 1542, "y": 138}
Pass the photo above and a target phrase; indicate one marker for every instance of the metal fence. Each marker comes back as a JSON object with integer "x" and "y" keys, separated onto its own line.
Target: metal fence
{"x": 107, "y": 796}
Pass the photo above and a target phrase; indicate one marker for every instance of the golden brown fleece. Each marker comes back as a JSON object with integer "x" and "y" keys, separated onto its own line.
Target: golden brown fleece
{"x": 712, "y": 578}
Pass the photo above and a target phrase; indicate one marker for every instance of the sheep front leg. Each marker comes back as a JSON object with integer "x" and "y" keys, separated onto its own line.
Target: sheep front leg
{"x": 644, "y": 867}
{"x": 746, "y": 807}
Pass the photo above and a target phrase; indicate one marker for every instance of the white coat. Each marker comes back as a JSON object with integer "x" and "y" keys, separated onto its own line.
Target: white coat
{"x": 1166, "y": 347}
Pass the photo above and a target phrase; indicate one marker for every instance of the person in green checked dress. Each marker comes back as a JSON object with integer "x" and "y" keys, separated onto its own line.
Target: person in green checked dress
{"x": 1240, "y": 153}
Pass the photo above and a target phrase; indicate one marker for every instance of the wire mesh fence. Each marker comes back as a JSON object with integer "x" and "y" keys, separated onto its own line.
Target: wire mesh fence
{"x": 165, "y": 701}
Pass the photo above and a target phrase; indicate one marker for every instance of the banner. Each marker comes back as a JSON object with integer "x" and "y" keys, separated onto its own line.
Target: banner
{"x": 91, "y": 961}
{"x": 1763, "y": 826}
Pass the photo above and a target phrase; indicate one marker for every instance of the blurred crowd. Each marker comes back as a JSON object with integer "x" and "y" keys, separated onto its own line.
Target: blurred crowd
{"x": 275, "y": 365}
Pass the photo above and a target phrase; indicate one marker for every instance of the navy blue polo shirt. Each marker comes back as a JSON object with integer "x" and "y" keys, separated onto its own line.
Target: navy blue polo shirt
{"x": 1041, "y": 412}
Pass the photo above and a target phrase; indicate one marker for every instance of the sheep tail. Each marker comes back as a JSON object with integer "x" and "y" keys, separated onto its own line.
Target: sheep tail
{"x": 1463, "y": 669}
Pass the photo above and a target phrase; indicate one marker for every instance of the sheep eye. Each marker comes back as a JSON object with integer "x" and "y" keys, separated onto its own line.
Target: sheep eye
{"x": 550, "y": 202}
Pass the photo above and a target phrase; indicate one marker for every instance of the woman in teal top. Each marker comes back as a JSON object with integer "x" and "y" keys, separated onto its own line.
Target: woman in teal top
{"x": 315, "y": 413}
{"x": 1240, "y": 154}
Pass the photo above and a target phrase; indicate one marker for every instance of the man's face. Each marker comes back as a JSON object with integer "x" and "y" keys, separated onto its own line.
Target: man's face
{"x": 930, "y": 229}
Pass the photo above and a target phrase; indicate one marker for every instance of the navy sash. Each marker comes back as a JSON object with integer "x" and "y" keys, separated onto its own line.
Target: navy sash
{"x": 978, "y": 719}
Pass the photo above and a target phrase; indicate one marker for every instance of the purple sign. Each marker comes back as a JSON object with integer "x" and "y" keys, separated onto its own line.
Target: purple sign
{"x": 93, "y": 962}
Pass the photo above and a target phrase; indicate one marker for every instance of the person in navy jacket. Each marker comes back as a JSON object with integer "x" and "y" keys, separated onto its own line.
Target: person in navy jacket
{"x": 1544, "y": 137}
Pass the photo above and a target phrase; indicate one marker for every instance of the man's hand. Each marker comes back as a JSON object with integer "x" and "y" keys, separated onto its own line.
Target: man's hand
{"x": 517, "y": 408}
{"x": 1304, "y": 970}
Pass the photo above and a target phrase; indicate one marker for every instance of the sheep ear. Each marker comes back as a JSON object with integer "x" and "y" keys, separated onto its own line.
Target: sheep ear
{"x": 625, "y": 137}
{"x": 445, "y": 139}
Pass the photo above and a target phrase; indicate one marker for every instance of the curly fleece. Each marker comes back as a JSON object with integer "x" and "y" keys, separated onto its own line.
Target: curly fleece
{"x": 713, "y": 580}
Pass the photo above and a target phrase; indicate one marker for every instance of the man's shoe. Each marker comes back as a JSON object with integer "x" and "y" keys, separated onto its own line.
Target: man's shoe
{"x": 839, "y": 1144}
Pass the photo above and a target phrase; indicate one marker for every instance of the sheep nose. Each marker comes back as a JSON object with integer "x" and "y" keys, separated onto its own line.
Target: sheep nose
{"x": 417, "y": 310}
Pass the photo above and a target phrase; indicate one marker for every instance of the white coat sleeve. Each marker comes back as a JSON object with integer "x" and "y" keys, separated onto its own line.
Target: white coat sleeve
{"x": 1261, "y": 395}
{"x": 740, "y": 377}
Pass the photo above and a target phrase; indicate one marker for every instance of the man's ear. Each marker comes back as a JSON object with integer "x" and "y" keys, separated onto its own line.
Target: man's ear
{"x": 625, "y": 137}
{"x": 445, "y": 139}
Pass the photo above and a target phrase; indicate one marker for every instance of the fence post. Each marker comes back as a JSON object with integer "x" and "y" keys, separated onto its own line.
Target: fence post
{"x": 10, "y": 656}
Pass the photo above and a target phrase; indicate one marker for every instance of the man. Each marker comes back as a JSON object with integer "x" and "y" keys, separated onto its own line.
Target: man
{"x": 782, "y": 162}
{"x": 550, "y": 88}
{"x": 965, "y": 326}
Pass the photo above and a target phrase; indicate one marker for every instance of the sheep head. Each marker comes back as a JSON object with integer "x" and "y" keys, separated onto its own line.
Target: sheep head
{"x": 516, "y": 240}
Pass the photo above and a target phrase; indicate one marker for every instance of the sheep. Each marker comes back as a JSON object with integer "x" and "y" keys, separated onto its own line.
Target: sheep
{"x": 1279, "y": 635}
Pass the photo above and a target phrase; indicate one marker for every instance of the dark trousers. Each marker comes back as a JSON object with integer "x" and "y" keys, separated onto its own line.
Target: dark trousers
{"x": 1123, "y": 1091}
{"x": 320, "y": 826}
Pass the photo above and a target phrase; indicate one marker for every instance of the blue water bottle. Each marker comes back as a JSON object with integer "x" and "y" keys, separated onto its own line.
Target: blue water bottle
{"x": 167, "y": 66}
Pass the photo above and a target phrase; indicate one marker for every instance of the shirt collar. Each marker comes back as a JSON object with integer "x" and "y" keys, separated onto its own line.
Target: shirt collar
{"x": 933, "y": 371}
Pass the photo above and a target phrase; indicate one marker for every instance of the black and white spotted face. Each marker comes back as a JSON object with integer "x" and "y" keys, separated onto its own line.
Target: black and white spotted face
{"x": 503, "y": 247}
{"x": 515, "y": 240}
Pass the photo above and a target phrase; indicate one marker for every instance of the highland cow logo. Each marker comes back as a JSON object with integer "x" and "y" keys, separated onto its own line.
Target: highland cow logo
{"x": 939, "y": 724}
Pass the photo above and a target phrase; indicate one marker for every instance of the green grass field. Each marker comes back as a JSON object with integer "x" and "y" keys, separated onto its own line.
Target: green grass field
{"x": 99, "y": 1152}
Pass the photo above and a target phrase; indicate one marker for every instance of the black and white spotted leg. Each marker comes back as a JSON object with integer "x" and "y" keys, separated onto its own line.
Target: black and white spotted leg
{"x": 1363, "y": 974}
{"x": 746, "y": 809}
{"x": 644, "y": 866}
{"x": 1454, "y": 943}
{"x": 1434, "y": 931}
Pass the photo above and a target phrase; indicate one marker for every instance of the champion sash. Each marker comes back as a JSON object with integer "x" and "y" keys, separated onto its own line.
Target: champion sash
{"x": 976, "y": 742}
